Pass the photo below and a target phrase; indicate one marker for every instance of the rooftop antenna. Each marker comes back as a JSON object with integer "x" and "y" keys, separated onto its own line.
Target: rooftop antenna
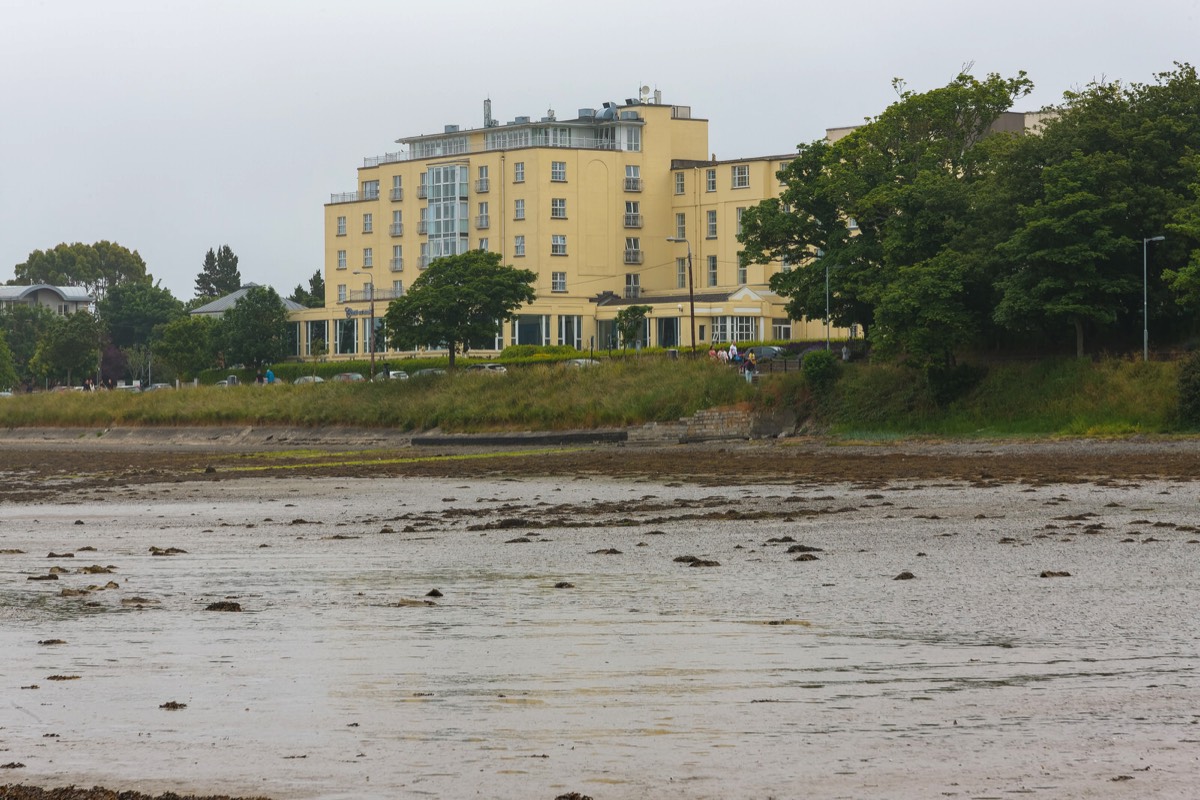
{"x": 550, "y": 114}
{"x": 488, "y": 122}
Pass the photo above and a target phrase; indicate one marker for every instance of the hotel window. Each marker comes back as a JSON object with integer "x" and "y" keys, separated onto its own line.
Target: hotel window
{"x": 397, "y": 288}
{"x": 483, "y": 220}
{"x": 483, "y": 244}
{"x": 679, "y": 183}
{"x": 852, "y": 224}
{"x": 558, "y": 171}
{"x": 368, "y": 223}
{"x": 558, "y": 208}
{"x": 681, "y": 273}
{"x": 781, "y": 328}
{"x": 341, "y": 292}
{"x": 741, "y": 272}
{"x": 633, "y": 250}
{"x": 558, "y": 281}
{"x": 397, "y": 223}
{"x": 370, "y": 190}
{"x": 341, "y": 226}
{"x": 633, "y": 284}
{"x": 741, "y": 176}
{"x": 423, "y": 259}
{"x": 710, "y": 217}
{"x": 518, "y": 246}
{"x": 397, "y": 187}
{"x": 518, "y": 209}
{"x": 482, "y": 184}
{"x": 341, "y": 259}
{"x": 558, "y": 245}
{"x": 633, "y": 214}
{"x": 740, "y": 211}
{"x": 519, "y": 172}
{"x": 710, "y": 180}
{"x": 397, "y": 257}
{"x": 633, "y": 178}
{"x": 712, "y": 270}
{"x": 368, "y": 257}
{"x": 681, "y": 226}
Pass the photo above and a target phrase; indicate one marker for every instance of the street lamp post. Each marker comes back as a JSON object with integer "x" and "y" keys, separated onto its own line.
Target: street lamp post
{"x": 1145, "y": 296}
{"x": 691, "y": 289}
{"x": 371, "y": 329}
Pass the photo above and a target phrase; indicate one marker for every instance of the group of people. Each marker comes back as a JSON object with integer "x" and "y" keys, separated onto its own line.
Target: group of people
{"x": 746, "y": 363}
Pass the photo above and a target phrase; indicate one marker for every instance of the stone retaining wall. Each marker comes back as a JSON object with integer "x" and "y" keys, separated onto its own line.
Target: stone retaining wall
{"x": 715, "y": 424}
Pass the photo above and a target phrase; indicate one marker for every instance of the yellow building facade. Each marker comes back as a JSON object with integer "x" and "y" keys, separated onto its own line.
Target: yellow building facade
{"x": 605, "y": 208}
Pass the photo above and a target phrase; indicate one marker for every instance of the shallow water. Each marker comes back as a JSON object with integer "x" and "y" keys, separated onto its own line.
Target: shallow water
{"x": 761, "y": 677}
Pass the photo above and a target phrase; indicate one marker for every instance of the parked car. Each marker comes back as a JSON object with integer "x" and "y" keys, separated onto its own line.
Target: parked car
{"x": 348, "y": 377}
{"x": 154, "y": 387}
{"x": 766, "y": 352}
{"x": 428, "y": 372}
{"x": 309, "y": 379}
{"x": 5, "y": 393}
{"x": 128, "y": 387}
{"x": 391, "y": 375}
{"x": 582, "y": 362}
{"x": 490, "y": 369}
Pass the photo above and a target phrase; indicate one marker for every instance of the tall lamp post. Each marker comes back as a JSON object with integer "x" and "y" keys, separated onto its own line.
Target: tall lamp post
{"x": 1145, "y": 295}
{"x": 371, "y": 329}
{"x": 691, "y": 289}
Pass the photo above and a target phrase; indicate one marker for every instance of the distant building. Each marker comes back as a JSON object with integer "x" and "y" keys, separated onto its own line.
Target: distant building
{"x": 61, "y": 300}
{"x": 587, "y": 203}
{"x": 218, "y": 307}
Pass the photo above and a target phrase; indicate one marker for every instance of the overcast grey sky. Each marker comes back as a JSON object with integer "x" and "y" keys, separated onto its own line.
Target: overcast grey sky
{"x": 173, "y": 126}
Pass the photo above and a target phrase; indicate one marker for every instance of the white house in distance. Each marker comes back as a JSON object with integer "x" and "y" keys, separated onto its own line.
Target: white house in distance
{"x": 62, "y": 300}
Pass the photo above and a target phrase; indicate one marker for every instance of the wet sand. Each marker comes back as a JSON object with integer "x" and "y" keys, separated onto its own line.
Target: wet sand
{"x": 571, "y": 650}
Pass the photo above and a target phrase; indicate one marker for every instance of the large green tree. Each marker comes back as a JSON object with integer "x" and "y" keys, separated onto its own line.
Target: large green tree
{"x": 96, "y": 267}
{"x": 314, "y": 295}
{"x": 188, "y": 344}
{"x": 219, "y": 274}
{"x": 69, "y": 350}
{"x": 457, "y": 300}
{"x": 254, "y": 332}
{"x": 884, "y": 218}
{"x": 8, "y": 372}
{"x": 131, "y": 311}
{"x": 24, "y": 326}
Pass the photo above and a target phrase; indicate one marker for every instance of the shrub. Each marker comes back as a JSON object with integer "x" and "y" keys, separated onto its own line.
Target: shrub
{"x": 1189, "y": 390}
{"x": 947, "y": 384}
{"x": 820, "y": 370}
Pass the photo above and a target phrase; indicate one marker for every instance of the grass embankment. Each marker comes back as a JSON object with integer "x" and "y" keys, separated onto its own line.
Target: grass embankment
{"x": 1060, "y": 397}
{"x": 544, "y": 397}
{"x": 1048, "y": 398}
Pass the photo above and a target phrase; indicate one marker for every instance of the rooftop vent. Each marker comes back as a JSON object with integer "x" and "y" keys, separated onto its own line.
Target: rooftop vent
{"x": 587, "y": 113}
{"x": 451, "y": 129}
{"x": 521, "y": 121}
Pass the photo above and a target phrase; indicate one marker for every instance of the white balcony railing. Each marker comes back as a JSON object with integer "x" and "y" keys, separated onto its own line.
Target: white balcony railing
{"x": 633, "y": 184}
{"x": 634, "y": 256}
{"x": 633, "y": 220}
{"x": 396, "y": 229}
{"x": 482, "y": 221}
{"x": 396, "y": 264}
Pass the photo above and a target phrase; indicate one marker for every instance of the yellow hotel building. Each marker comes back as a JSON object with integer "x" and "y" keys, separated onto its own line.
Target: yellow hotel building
{"x": 605, "y": 208}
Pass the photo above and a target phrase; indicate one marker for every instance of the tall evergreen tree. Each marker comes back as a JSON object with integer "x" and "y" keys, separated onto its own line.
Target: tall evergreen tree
{"x": 219, "y": 274}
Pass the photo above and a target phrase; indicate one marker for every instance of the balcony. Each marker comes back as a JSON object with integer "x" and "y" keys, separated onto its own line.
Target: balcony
{"x": 423, "y": 191}
{"x": 423, "y": 262}
{"x": 633, "y": 292}
{"x": 633, "y": 184}
{"x": 396, "y": 229}
{"x": 483, "y": 221}
{"x": 371, "y": 194}
{"x": 397, "y": 193}
{"x": 483, "y": 185}
{"x": 396, "y": 265}
{"x": 633, "y": 220}
{"x": 347, "y": 197}
{"x": 634, "y": 256}
{"x": 423, "y": 227}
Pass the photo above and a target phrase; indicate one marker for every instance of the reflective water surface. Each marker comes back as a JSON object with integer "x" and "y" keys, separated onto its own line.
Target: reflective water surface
{"x": 762, "y": 676}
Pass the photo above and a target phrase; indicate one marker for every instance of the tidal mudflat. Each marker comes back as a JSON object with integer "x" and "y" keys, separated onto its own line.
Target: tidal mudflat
{"x": 618, "y": 638}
